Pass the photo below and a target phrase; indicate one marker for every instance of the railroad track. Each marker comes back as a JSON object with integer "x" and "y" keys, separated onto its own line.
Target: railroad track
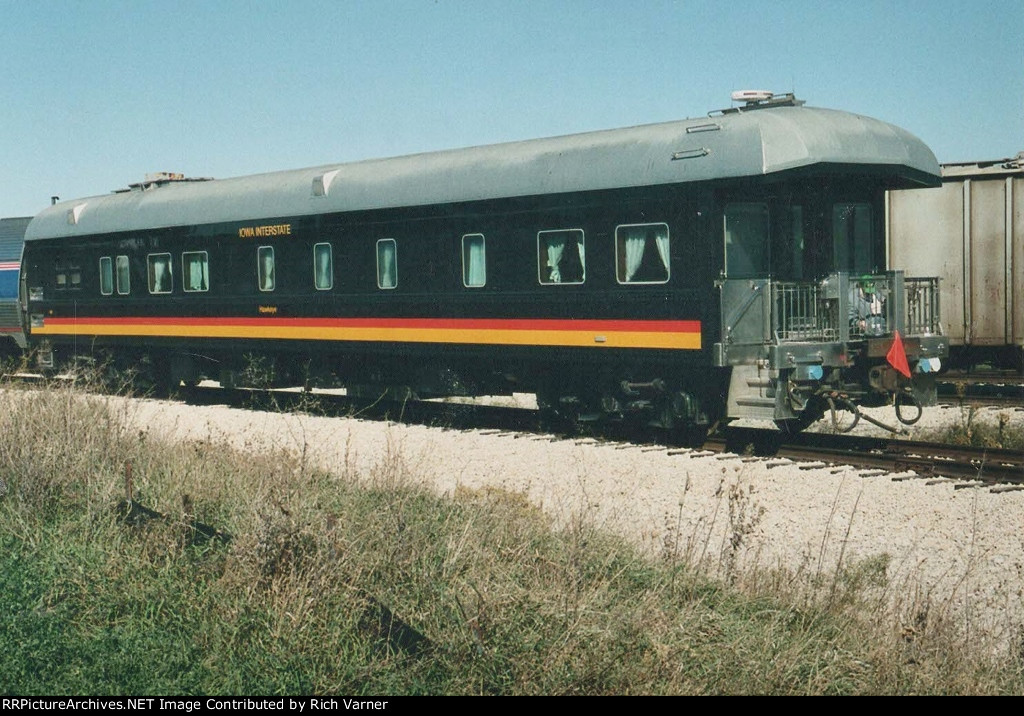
{"x": 1007, "y": 377}
{"x": 1003, "y": 389}
{"x": 982, "y": 466}
{"x": 972, "y": 465}
{"x": 978, "y": 465}
{"x": 985, "y": 401}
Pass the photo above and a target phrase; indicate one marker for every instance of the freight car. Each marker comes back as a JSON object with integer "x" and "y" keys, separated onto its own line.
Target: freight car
{"x": 970, "y": 233}
{"x": 676, "y": 273}
{"x": 12, "y": 238}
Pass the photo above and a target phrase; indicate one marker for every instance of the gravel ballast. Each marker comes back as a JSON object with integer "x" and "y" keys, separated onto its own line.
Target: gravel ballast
{"x": 955, "y": 552}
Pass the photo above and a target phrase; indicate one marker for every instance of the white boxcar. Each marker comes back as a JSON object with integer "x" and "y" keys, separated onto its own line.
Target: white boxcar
{"x": 970, "y": 233}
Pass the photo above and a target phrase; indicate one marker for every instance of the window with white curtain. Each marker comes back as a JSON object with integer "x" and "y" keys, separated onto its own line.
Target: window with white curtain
{"x": 266, "y": 275}
{"x": 161, "y": 278}
{"x": 124, "y": 276}
{"x": 641, "y": 253}
{"x": 323, "y": 267}
{"x": 195, "y": 269}
{"x": 474, "y": 263}
{"x": 387, "y": 263}
{"x": 561, "y": 258}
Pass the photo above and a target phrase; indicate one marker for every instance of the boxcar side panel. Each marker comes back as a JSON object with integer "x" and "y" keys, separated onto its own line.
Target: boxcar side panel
{"x": 925, "y": 235}
{"x": 1015, "y": 271}
{"x": 987, "y": 265}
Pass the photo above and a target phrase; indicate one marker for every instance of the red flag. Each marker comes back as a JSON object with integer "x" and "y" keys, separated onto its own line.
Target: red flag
{"x": 897, "y": 357}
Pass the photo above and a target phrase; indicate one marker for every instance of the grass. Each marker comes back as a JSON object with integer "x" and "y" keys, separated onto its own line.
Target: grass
{"x": 360, "y": 584}
{"x": 971, "y": 430}
{"x": 974, "y": 428}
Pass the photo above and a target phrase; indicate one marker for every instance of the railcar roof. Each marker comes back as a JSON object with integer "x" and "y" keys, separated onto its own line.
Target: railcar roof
{"x": 12, "y": 236}
{"x": 992, "y": 168}
{"x": 734, "y": 144}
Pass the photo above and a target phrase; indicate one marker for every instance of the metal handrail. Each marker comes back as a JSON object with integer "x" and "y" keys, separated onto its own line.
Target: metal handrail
{"x": 922, "y": 301}
{"x": 843, "y": 307}
{"x": 801, "y": 312}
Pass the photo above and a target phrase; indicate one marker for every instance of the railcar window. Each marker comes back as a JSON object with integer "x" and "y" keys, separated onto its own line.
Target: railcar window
{"x": 265, "y": 268}
{"x": 161, "y": 279}
{"x": 746, "y": 240}
{"x": 789, "y": 258}
{"x": 195, "y": 268}
{"x": 67, "y": 275}
{"x": 387, "y": 263}
{"x": 641, "y": 253}
{"x": 323, "y": 267}
{"x": 474, "y": 261}
{"x": 560, "y": 257}
{"x": 124, "y": 277}
{"x": 106, "y": 275}
{"x": 852, "y": 239}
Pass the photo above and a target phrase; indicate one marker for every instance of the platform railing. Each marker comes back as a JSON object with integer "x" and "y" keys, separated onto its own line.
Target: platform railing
{"x": 802, "y": 312}
{"x": 836, "y": 310}
{"x": 922, "y": 306}
{"x": 843, "y": 307}
{"x": 872, "y": 304}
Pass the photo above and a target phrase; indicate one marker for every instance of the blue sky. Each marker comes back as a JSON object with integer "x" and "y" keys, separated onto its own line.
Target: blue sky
{"x": 95, "y": 94}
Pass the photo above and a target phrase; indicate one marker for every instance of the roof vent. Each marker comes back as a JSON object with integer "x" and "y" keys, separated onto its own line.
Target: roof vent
{"x": 322, "y": 182}
{"x": 75, "y": 212}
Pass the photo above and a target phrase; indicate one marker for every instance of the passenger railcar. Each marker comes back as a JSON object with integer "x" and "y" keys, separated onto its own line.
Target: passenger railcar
{"x": 970, "y": 233}
{"x": 683, "y": 272}
{"x": 12, "y": 239}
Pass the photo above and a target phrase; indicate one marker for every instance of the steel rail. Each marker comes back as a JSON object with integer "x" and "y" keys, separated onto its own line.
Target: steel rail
{"x": 976, "y": 464}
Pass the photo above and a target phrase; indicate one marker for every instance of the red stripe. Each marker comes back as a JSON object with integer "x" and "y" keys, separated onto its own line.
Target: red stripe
{"x": 526, "y": 324}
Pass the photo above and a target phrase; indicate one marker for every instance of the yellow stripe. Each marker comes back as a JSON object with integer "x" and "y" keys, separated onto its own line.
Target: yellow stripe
{"x": 609, "y": 339}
